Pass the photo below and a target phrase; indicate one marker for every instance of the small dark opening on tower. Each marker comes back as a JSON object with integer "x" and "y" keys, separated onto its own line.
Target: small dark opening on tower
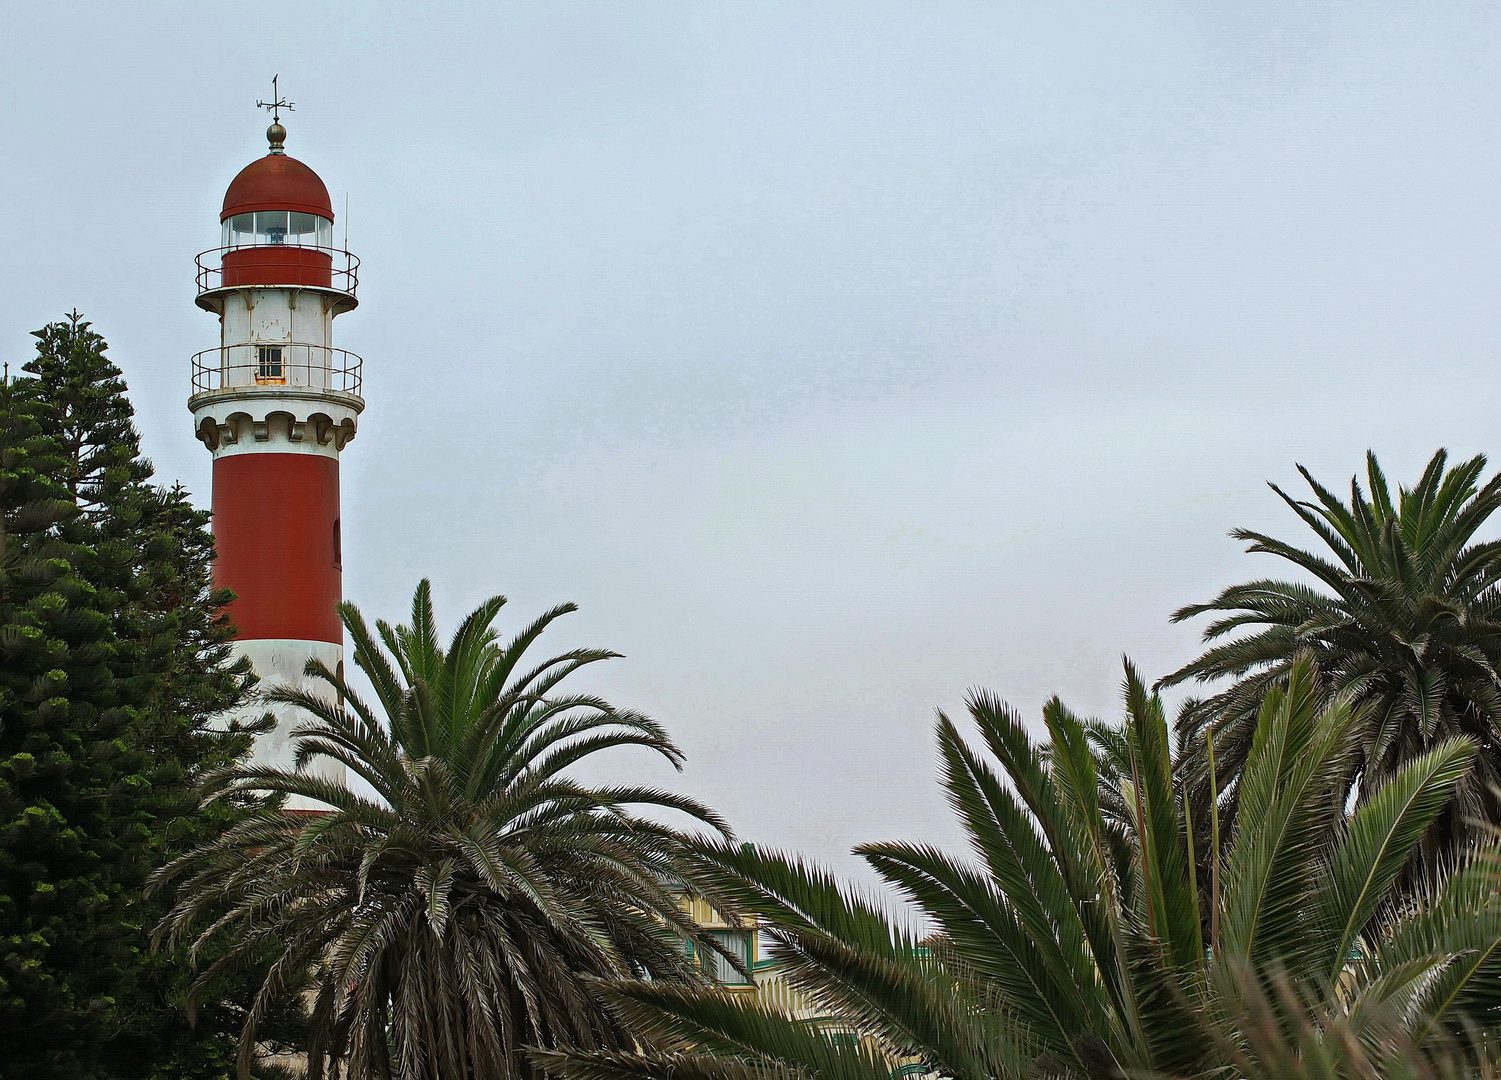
{"x": 338, "y": 546}
{"x": 268, "y": 368}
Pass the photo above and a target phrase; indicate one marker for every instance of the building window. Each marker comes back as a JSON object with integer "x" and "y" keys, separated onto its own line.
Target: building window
{"x": 338, "y": 547}
{"x": 268, "y": 366}
{"x": 737, "y": 942}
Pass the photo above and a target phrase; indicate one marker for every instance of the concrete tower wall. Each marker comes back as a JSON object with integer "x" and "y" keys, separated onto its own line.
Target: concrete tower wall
{"x": 278, "y": 315}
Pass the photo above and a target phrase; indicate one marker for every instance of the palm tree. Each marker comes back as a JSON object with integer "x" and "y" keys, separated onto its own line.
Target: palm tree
{"x": 1403, "y": 613}
{"x": 457, "y": 911}
{"x": 1074, "y": 941}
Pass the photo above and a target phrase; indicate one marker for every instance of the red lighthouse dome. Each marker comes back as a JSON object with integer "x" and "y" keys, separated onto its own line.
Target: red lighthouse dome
{"x": 278, "y": 224}
{"x": 277, "y": 182}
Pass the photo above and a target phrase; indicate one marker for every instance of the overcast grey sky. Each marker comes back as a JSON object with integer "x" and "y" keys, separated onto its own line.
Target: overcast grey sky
{"x": 834, "y": 357}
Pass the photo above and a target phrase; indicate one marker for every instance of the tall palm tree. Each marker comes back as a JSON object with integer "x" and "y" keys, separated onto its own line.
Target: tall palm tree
{"x": 1073, "y": 941}
{"x": 1399, "y": 607}
{"x": 456, "y": 911}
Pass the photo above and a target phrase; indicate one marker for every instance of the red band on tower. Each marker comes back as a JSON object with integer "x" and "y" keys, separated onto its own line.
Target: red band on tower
{"x": 276, "y": 530}
{"x": 286, "y": 265}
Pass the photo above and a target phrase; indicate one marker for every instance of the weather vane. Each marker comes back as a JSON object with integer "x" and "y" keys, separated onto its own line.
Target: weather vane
{"x": 277, "y": 102}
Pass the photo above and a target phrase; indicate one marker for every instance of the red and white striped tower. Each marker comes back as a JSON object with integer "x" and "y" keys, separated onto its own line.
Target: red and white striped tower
{"x": 276, "y": 403}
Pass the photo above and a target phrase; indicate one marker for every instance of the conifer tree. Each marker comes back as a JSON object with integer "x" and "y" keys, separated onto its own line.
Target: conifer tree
{"x": 115, "y": 658}
{"x": 60, "y": 740}
{"x": 90, "y": 417}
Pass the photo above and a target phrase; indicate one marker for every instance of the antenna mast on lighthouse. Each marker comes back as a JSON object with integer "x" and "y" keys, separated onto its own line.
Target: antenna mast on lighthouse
{"x": 276, "y": 403}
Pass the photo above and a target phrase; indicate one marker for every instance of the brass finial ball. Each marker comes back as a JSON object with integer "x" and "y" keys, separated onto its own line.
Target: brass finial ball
{"x": 276, "y": 135}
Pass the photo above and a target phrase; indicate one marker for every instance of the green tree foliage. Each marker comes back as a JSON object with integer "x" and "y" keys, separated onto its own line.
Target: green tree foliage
{"x": 1399, "y": 606}
{"x": 459, "y": 914}
{"x": 91, "y": 419}
{"x": 113, "y": 658}
{"x": 56, "y": 707}
{"x": 1072, "y": 942}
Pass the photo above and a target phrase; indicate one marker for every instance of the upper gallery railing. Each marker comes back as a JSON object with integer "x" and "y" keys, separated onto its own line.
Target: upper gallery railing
{"x": 278, "y": 264}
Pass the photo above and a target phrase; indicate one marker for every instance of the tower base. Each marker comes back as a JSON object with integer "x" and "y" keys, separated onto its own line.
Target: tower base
{"x": 280, "y": 662}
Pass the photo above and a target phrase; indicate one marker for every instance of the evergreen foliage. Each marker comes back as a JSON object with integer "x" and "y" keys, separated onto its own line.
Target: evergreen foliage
{"x": 462, "y": 913}
{"x": 90, "y": 419}
{"x": 113, "y": 658}
{"x": 1077, "y": 939}
{"x": 1401, "y": 609}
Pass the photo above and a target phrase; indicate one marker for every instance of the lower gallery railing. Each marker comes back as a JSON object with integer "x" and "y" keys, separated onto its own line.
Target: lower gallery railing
{"x": 277, "y": 363}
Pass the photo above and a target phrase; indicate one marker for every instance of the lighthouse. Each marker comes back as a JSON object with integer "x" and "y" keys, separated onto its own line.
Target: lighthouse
{"x": 276, "y": 403}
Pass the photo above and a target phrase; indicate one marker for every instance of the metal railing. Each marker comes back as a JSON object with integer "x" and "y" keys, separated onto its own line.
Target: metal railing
{"x": 280, "y": 261}
{"x": 277, "y": 363}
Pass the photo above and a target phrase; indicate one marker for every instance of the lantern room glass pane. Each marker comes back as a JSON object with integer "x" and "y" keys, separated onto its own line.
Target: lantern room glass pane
{"x": 302, "y": 229}
{"x": 239, "y": 230}
{"x": 271, "y": 226}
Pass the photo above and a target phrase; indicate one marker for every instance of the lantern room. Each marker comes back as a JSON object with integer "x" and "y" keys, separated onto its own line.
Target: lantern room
{"x": 277, "y": 228}
{"x": 272, "y": 228}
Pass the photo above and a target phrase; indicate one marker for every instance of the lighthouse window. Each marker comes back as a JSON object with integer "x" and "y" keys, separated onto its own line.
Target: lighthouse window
{"x": 268, "y": 368}
{"x": 272, "y": 225}
{"x": 278, "y": 227}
